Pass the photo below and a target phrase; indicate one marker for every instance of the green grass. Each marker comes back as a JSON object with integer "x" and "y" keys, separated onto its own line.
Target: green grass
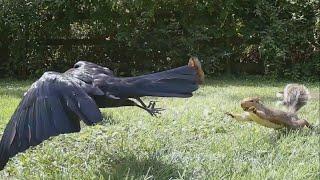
{"x": 192, "y": 139}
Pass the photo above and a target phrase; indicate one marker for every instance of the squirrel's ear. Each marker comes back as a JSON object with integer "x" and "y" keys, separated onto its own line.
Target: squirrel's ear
{"x": 257, "y": 99}
{"x": 260, "y": 101}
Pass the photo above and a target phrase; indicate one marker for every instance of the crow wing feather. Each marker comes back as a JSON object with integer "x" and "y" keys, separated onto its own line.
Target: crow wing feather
{"x": 177, "y": 82}
{"x": 52, "y": 106}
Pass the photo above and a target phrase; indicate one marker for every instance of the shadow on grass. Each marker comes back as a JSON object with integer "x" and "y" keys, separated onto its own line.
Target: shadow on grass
{"x": 108, "y": 120}
{"x": 132, "y": 168}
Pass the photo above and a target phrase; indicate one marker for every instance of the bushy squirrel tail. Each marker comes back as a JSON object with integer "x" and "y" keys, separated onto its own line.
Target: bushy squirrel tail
{"x": 195, "y": 63}
{"x": 294, "y": 97}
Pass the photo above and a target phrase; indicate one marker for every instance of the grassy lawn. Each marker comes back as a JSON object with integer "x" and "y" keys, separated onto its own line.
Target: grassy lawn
{"x": 192, "y": 139}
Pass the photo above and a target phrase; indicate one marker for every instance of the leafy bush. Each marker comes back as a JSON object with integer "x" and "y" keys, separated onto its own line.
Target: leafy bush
{"x": 135, "y": 36}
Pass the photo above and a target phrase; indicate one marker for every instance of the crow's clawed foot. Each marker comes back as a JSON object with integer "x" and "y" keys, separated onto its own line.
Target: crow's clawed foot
{"x": 152, "y": 110}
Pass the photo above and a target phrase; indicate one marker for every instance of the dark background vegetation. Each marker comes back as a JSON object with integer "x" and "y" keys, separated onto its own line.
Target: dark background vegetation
{"x": 276, "y": 38}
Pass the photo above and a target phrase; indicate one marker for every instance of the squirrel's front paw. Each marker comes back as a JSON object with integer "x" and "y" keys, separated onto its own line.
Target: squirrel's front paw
{"x": 252, "y": 109}
{"x": 229, "y": 114}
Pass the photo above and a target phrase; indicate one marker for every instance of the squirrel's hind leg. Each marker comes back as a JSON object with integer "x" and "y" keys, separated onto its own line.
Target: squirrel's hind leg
{"x": 301, "y": 123}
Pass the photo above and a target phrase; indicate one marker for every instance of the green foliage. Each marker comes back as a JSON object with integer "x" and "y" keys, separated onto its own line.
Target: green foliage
{"x": 151, "y": 35}
{"x": 192, "y": 139}
{"x": 290, "y": 46}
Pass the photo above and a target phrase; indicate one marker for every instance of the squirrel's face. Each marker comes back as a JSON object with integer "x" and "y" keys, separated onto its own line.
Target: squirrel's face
{"x": 249, "y": 102}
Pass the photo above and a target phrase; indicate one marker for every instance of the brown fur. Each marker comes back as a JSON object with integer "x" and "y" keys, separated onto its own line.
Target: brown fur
{"x": 288, "y": 119}
{"x": 195, "y": 63}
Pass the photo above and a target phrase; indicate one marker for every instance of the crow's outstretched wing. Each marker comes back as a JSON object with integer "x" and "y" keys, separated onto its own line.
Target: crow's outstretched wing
{"x": 178, "y": 82}
{"x": 53, "y": 105}
{"x": 116, "y": 91}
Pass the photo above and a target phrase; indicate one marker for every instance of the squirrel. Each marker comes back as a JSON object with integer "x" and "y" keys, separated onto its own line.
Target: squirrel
{"x": 294, "y": 97}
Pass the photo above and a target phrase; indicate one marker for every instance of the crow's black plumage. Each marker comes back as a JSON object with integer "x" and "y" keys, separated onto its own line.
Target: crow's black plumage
{"x": 56, "y": 102}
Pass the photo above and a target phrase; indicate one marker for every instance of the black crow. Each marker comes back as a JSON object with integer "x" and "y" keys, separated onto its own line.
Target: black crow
{"x": 56, "y": 102}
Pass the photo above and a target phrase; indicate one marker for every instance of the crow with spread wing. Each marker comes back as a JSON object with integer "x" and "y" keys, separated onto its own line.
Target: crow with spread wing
{"x": 57, "y": 102}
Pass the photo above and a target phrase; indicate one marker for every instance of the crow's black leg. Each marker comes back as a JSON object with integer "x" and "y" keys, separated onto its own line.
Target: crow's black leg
{"x": 150, "y": 108}
{"x": 141, "y": 102}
